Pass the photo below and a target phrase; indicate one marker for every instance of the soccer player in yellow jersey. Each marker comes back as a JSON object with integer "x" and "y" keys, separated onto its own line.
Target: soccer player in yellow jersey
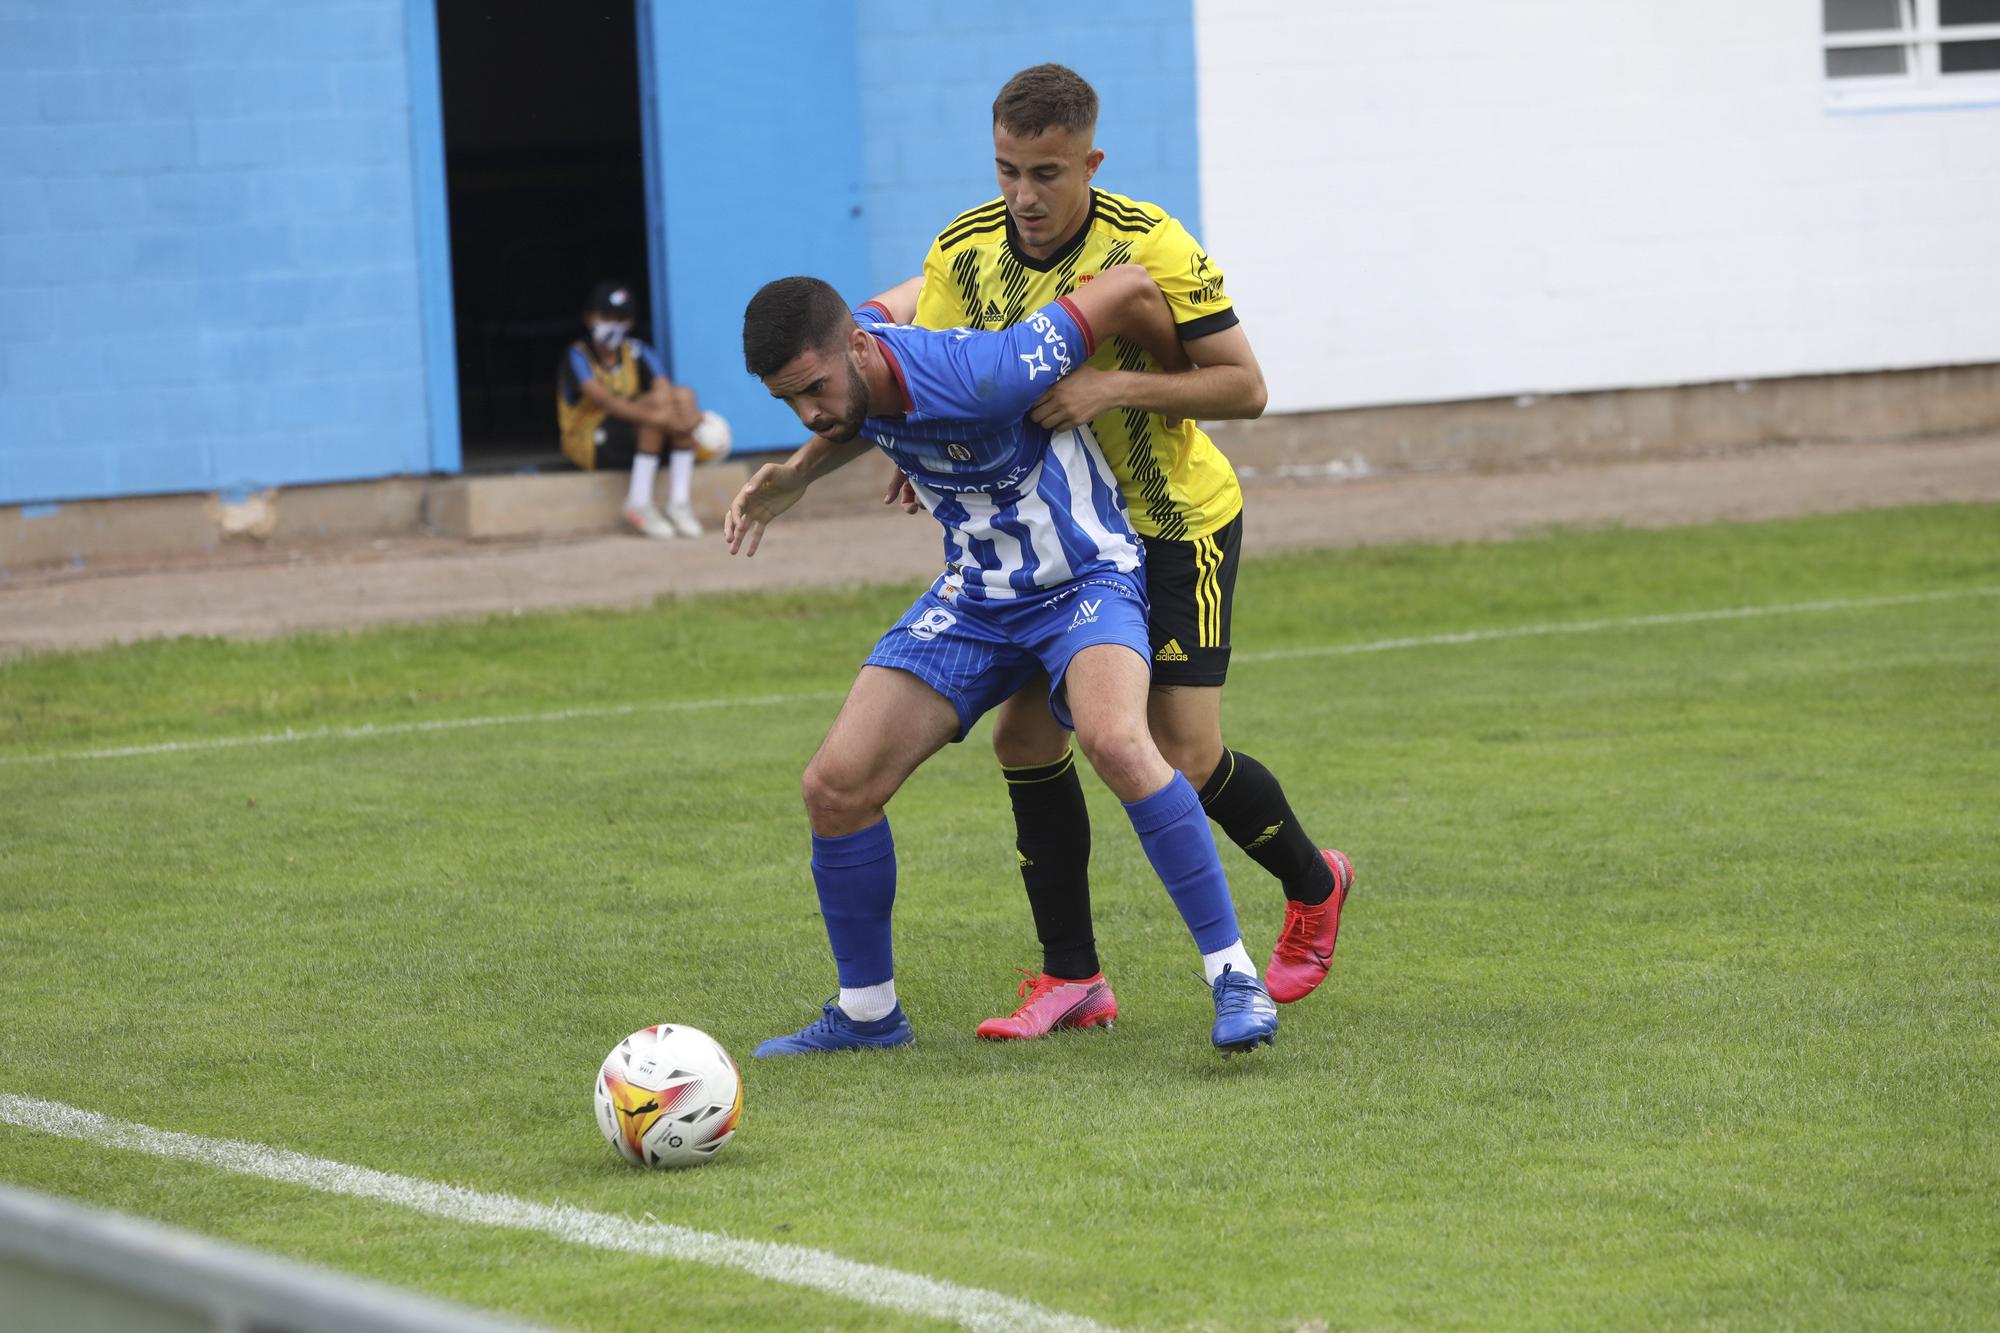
{"x": 1049, "y": 233}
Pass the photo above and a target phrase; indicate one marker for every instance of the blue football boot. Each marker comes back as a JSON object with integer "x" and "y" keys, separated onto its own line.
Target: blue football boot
{"x": 833, "y": 1030}
{"x": 1245, "y": 1015}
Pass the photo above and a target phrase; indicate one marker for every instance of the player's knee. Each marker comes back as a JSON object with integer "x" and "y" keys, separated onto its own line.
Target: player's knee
{"x": 1019, "y": 742}
{"x": 1124, "y": 757}
{"x": 835, "y": 795}
{"x": 1196, "y": 757}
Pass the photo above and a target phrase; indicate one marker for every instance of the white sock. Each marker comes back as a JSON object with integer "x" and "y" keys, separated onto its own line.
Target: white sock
{"x": 679, "y": 469}
{"x": 1237, "y": 958}
{"x": 865, "y": 1004}
{"x": 645, "y": 467}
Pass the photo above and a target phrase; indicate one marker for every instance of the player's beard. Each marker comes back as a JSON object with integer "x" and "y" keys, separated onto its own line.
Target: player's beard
{"x": 850, "y": 421}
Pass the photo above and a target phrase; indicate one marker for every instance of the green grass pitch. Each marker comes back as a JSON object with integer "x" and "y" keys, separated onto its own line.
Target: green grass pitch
{"x": 1667, "y": 995}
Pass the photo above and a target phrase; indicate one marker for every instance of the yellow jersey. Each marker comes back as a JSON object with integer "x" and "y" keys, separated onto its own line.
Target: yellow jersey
{"x": 633, "y": 369}
{"x": 1177, "y": 484}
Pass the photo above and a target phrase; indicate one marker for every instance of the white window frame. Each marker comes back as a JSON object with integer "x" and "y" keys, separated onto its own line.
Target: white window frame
{"x": 1923, "y": 84}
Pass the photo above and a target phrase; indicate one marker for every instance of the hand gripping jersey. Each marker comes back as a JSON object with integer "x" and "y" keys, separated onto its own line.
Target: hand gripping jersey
{"x": 1024, "y": 511}
{"x": 1177, "y": 484}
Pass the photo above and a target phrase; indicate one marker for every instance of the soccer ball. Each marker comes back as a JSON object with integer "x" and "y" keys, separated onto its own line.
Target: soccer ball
{"x": 669, "y": 1096}
{"x": 712, "y": 438}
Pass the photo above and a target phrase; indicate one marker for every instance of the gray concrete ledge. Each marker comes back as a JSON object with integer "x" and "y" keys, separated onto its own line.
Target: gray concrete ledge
{"x": 1681, "y": 421}
{"x": 1495, "y": 434}
{"x": 277, "y": 590}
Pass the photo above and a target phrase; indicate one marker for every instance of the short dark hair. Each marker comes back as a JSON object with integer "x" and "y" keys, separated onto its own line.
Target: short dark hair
{"x": 1046, "y": 97}
{"x": 788, "y": 316}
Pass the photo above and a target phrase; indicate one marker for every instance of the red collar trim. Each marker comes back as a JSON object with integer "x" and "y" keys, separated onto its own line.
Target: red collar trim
{"x": 896, "y": 368}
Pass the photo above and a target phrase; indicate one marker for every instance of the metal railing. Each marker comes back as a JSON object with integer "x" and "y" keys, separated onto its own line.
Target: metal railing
{"x": 75, "y": 1269}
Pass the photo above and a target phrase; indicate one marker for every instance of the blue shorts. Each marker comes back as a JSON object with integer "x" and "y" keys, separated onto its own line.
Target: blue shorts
{"x": 977, "y": 653}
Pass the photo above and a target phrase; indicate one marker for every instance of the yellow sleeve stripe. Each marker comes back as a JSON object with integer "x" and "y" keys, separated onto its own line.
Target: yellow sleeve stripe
{"x": 1118, "y": 223}
{"x": 978, "y": 220}
{"x": 946, "y": 246}
{"x": 1128, "y": 214}
{"x": 972, "y": 213}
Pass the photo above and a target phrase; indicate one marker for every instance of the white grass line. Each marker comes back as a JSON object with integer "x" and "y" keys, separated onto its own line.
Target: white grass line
{"x": 370, "y": 730}
{"x": 1624, "y": 622}
{"x": 887, "y": 1288}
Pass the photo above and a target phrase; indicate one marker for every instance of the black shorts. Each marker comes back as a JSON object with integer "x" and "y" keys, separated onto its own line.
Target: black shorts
{"x": 617, "y": 442}
{"x": 1192, "y": 586}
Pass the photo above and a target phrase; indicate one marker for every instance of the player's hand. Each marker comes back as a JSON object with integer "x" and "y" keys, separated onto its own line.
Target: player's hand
{"x": 1085, "y": 394}
{"x": 771, "y": 490}
{"x": 902, "y": 493}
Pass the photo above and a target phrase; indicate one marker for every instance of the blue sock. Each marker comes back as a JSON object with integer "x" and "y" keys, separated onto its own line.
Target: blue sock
{"x": 1173, "y": 829}
{"x": 856, "y": 879}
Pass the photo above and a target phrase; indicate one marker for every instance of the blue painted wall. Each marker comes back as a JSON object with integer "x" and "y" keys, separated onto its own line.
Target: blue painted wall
{"x": 208, "y": 247}
{"x": 756, "y": 152}
{"x": 838, "y": 138}
{"x": 932, "y": 71}
{"x": 222, "y": 230}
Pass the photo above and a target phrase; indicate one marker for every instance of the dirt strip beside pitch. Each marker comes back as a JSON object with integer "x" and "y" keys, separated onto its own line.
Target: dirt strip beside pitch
{"x": 336, "y": 588}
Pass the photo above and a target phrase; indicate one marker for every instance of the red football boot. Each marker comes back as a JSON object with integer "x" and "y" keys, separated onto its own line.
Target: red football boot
{"x": 1305, "y": 946}
{"x": 1053, "y": 1004}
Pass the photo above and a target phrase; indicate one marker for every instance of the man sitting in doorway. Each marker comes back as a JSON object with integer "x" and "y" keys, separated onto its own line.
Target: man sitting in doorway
{"x": 617, "y": 408}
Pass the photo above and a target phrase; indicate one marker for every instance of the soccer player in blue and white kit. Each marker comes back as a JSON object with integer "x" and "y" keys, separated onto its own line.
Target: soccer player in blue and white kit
{"x": 1042, "y": 573}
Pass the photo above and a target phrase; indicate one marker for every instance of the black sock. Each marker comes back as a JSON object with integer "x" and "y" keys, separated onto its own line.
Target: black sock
{"x": 1052, "y": 836}
{"x": 1243, "y": 797}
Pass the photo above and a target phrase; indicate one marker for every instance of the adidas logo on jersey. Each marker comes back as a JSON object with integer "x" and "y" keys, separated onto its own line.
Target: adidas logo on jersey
{"x": 1171, "y": 651}
{"x": 990, "y": 317}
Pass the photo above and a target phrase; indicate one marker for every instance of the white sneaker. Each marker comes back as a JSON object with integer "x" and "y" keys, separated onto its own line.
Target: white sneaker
{"x": 684, "y": 521}
{"x": 646, "y": 520}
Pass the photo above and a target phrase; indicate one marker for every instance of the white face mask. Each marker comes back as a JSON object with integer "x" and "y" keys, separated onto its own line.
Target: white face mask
{"x": 607, "y": 334}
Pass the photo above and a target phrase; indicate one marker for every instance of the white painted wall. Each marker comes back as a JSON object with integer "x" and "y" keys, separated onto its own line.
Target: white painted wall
{"x": 1438, "y": 199}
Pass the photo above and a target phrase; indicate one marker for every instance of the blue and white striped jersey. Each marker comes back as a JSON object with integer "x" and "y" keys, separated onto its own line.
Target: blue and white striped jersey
{"x": 1023, "y": 511}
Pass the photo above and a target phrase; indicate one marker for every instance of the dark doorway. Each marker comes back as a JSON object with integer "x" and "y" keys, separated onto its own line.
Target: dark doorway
{"x": 545, "y": 173}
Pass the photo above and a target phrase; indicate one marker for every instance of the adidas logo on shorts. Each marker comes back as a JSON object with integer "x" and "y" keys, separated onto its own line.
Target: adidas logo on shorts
{"x": 1171, "y": 651}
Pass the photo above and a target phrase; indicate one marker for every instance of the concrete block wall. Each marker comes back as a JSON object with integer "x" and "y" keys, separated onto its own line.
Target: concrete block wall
{"x": 1454, "y": 199}
{"x": 929, "y": 73}
{"x": 754, "y": 173}
{"x": 208, "y": 251}
{"x": 842, "y": 149}
{"x": 212, "y": 231}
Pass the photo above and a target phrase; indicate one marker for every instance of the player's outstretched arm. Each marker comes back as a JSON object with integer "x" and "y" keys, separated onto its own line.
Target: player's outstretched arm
{"x": 776, "y": 487}
{"x": 1226, "y": 384}
{"x": 1123, "y": 301}
{"x": 901, "y": 300}
{"x": 999, "y": 375}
